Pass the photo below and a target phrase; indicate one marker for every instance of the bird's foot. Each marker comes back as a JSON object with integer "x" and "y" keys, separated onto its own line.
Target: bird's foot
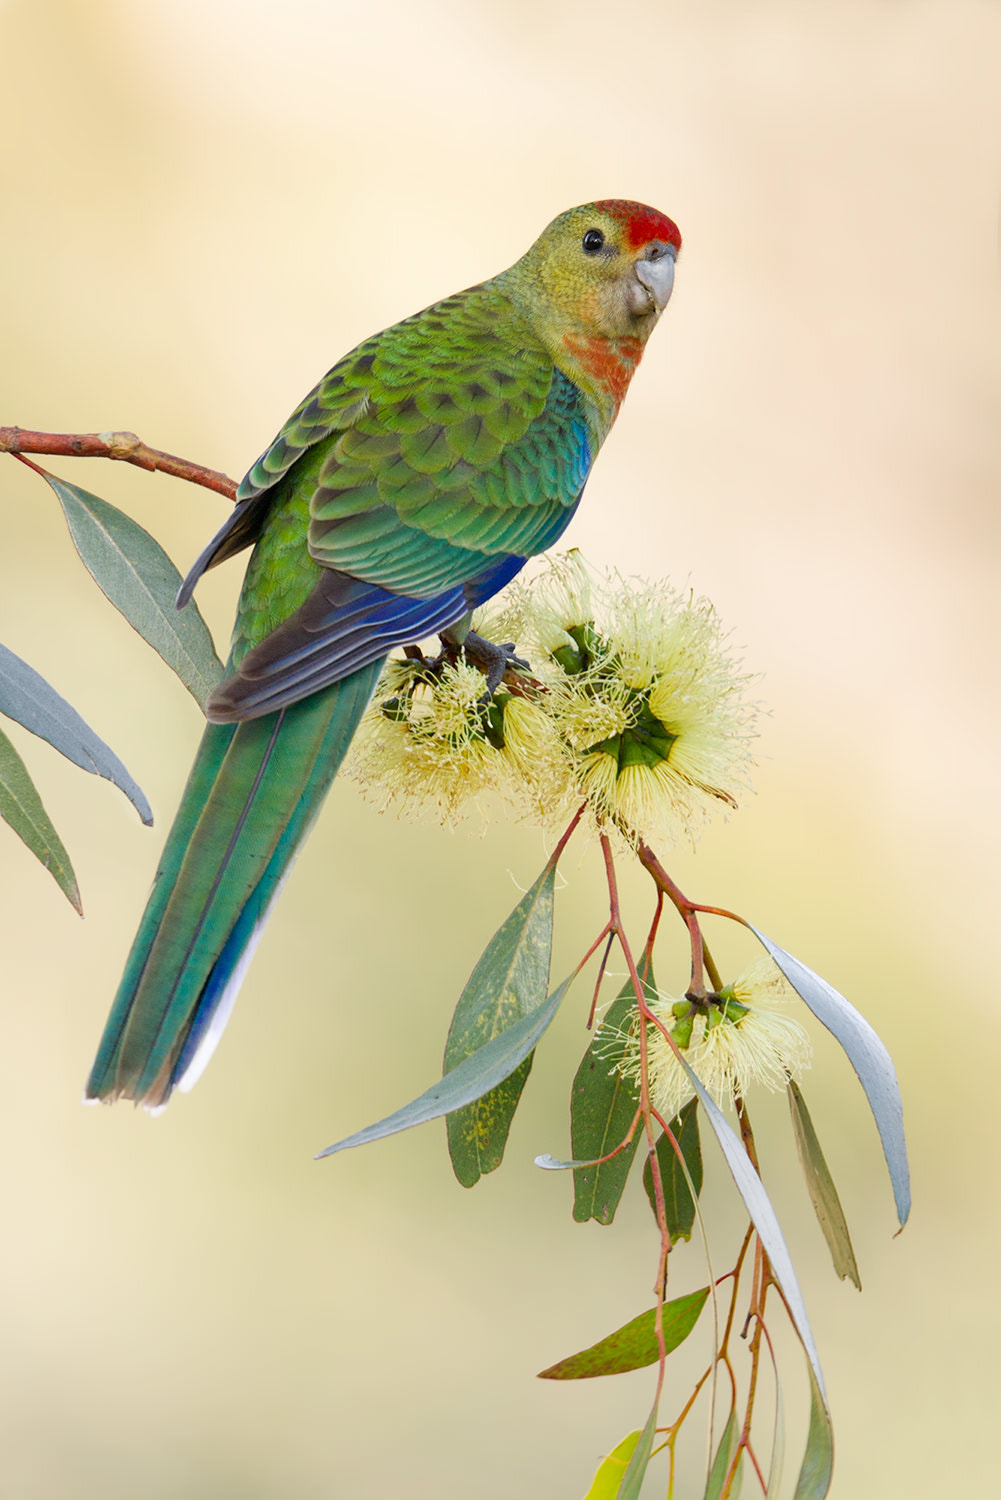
{"x": 492, "y": 659}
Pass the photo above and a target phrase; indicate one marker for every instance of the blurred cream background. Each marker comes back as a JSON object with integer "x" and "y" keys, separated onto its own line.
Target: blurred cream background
{"x": 204, "y": 205}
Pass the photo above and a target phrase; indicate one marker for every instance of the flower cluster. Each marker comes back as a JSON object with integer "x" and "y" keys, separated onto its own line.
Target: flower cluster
{"x": 738, "y": 1038}
{"x": 633, "y": 705}
{"x": 648, "y": 705}
{"x": 429, "y": 740}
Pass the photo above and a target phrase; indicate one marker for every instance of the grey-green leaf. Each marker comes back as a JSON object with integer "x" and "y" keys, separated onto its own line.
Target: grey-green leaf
{"x": 722, "y": 1461}
{"x": 550, "y": 1163}
{"x": 470, "y": 1080}
{"x": 510, "y": 981}
{"x": 758, "y": 1205}
{"x": 26, "y": 697}
{"x": 21, "y": 807}
{"x": 603, "y": 1105}
{"x": 820, "y": 1185}
{"x": 818, "y": 1461}
{"x": 632, "y": 1479}
{"x": 135, "y": 573}
{"x": 867, "y": 1055}
{"x": 679, "y": 1205}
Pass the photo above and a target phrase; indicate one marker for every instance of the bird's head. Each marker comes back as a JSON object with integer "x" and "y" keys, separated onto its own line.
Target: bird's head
{"x": 604, "y": 270}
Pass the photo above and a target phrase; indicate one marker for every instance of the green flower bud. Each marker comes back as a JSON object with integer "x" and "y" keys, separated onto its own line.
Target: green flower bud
{"x": 682, "y": 1031}
{"x": 569, "y": 659}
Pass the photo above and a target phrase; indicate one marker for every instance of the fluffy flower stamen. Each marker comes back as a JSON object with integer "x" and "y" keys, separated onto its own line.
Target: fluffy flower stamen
{"x": 633, "y": 704}
{"x": 742, "y": 1038}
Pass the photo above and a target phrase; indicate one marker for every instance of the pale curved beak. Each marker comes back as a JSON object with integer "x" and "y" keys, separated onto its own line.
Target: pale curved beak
{"x": 655, "y": 272}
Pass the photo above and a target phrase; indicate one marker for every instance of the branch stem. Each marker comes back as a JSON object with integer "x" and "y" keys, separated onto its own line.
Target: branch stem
{"x": 123, "y": 446}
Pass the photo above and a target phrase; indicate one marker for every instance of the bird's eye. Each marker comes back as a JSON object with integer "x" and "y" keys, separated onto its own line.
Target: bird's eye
{"x": 592, "y": 241}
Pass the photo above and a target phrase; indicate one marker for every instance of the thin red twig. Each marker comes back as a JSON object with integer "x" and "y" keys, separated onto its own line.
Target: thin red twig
{"x": 597, "y": 983}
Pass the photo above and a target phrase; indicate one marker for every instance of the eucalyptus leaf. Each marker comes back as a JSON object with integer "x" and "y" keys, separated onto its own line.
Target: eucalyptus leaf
{"x": 469, "y": 1080}
{"x": 632, "y": 1480}
{"x": 135, "y": 573}
{"x": 722, "y": 1461}
{"x": 551, "y": 1163}
{"x": 820, "y": 1185}
{"x": 603, "y": 1105}
{"x": 611, "y": 1470}
{"x": 777, "y": 1461}
{"x": 867, "y": 1055}
{"x": 818, "y": 1461}
{"x": 634, "y": 1345}
{"x": 509, "y": 982}
{"x": 759, "y": 1206}
{"x": 21, "y": 807}
{"x": 679, "y": 1205}
{"x": 27, "y": 698}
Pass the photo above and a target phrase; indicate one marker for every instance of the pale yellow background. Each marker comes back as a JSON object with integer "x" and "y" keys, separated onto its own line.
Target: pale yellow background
{"x": 203, "y": 205}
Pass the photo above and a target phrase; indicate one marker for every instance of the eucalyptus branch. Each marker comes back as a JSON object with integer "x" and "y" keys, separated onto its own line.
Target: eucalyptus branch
{"x": 646, "y": 1109}
{"x": 688, "y": 912}
{"x": 449, "y": 740}
{"x": 126, "y": 447}
{"x": 744, "y": 1442}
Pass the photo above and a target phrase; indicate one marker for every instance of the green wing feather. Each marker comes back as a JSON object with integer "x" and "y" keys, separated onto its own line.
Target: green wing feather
{"x": 437, "y": 446}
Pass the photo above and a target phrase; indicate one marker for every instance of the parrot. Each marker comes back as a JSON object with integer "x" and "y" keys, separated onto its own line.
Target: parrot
{"x": 410, "y": 485}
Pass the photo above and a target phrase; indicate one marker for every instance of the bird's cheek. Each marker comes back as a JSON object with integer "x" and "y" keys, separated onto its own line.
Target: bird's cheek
{"x": 593, "y": 311}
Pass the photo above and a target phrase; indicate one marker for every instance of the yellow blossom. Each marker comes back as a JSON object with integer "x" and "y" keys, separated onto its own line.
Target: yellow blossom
{"x": 647, "y": 702}
{"x": 745, "y": 1037}
{"x": 539, "y": 773}
{"x": 539, "y": 613}
{"x": 425, "y": 741}
{"x": 632, "y": 704}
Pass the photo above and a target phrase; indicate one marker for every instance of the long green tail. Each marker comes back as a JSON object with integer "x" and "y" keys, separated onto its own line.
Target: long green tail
{"x": 251, "y": 798}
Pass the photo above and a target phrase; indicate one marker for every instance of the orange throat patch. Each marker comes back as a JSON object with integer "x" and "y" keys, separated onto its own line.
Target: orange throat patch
{"x": 607, "y": 363}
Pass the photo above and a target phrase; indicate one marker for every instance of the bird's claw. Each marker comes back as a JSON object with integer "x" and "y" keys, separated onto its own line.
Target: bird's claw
{"x": 494, "y": 660}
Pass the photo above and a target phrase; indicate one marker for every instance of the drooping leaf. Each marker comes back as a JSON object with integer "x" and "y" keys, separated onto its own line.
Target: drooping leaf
{"x": 634, "y": 1345}
{"x": 722, "y": 1461}
{"x": 28, "y": 699}
{"x": 603, "y": 1105}
{"x": 610, "y": 1472}
{"x": 777, "y": 1461}
{"x": 510, "y": 981}
{"x": 632, "y": 1479}
{"x": 867, "y": 1055}
{"x": 679, "y": 1206}
{"x": 488, "y": 1067}
{"x": 820, "y": 1185}
{"x": 135, "y": 573}
{"x": 21, "y": 807}
{"x": 818, "y": 1461}
{"x": 759, "y": 1206}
